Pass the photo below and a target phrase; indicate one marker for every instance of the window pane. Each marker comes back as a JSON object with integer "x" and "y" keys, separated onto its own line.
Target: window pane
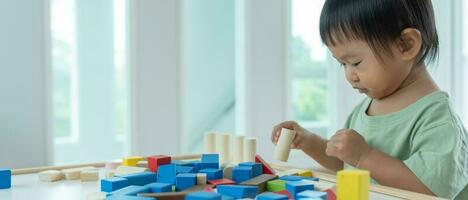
{"x": 308, "y": 66}
{"x": 465, "y": 61}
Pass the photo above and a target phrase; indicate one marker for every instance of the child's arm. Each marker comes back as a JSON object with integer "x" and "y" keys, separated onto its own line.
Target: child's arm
{"x": 349, "y": 146}
{"x": 309, "y": 143}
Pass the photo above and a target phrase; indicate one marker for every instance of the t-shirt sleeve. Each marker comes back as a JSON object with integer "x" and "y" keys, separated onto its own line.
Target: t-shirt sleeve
{"x": 439, "y": 159}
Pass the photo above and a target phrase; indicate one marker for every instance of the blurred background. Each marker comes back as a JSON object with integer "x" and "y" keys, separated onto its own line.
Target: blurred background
{"x": 95, "y": 80}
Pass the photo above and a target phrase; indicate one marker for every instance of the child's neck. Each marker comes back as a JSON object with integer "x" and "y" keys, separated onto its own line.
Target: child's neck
{"x": 418, "y": 84}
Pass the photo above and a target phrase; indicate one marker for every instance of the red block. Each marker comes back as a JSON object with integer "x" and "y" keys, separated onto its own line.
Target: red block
{"x": 267, "y": 169}
{"x": 223, "y": 181}
{"x": 330, "y": 194}
{"x": 155, "y": 161}
{"x": 285, "y": 192}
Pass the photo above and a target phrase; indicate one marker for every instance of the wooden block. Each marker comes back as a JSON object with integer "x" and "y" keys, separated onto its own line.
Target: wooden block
{"x": 112, "y": 164}
{"x": 89, "y": 175}
{"x": 155, "y": 161}
{"x": 223, "y": 147}
{"x": 50, "y": 175}
{"x": 250, "y": 149}
{"x": 74, "y": 173}
{"x": 276, "y": 185}
{"x": 176, "y": 195}
{"x": 305, "y": 173}
{"x": 132, "y": 161}
{"x": 260, "y": 181}
{"x": 283, "y": 147}
{"x": 353, "y": 184}
{"x": 210, "y": 142}
{"x": 142, "y": 163}
{"x": 290, "y": 172}
{"x": 125, "y": 170}
{"x": 238, "y": 149}
{"x": 223, "y": 181}
{"x": 267, "y": 169}
{"x": 227, "y": 171}
{"x": 5, "y": 178}
{"x": 201, "y": 178}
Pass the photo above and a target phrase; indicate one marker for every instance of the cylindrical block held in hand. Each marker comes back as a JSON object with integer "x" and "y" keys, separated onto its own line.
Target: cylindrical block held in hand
{"x": 283, "y": 146}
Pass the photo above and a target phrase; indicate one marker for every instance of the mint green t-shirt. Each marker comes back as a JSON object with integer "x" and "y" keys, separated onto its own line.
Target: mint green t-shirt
{"x": 427, "y": 136}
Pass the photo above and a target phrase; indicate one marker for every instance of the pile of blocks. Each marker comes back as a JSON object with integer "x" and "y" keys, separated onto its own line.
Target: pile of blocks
{"x": 207, "y": 179}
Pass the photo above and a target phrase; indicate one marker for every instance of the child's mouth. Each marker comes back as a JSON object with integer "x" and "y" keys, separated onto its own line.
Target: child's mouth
{"x": 361, "y": 90}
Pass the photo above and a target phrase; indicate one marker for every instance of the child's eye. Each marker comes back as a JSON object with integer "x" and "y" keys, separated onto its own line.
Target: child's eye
{"x": 356, "y": 64}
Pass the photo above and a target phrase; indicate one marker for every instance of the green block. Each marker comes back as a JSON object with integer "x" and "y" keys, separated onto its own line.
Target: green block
{"x": 276, "y": 185}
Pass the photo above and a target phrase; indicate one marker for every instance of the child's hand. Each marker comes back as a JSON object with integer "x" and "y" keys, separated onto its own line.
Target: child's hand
{"x": 348, "y": 146}
{"x": 301, "y": 138}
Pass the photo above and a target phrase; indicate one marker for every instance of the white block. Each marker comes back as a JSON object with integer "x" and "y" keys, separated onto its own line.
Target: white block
{"x": 50, "y": 175}
{"x": 283, "y": 147}
{"x": 223, "y": 146}
{"x": 238, "y": 149}
{"x": 124, "y": 170}
{"x": 250, "y": 149}
{"x": 227, "y": 171}
{"x": 74, "y": 173}
{"x": 209, "y": 141}
{"x": 89, "y": 175}
{"x": 201, "y": 179}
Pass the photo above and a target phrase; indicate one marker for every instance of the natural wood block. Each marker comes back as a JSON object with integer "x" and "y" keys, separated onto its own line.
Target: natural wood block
{"x": 283, "y": 147}
{"x": 110, "y": 173}
{"x": 142, "y": 163}
{"x": 50, "y": 175}
{"x": 201, "y": 178}
{"x": 74, "y": 173}
{"x": 125, "y": 170}
{"x": 89, "y": 175}
{"x": 260, "y": 181}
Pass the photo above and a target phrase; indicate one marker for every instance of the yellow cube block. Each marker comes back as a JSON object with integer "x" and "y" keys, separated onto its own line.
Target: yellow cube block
{"x": 132, "y": 161}
{"x": 353, "y": 184}
{"x": 305, "y": 173}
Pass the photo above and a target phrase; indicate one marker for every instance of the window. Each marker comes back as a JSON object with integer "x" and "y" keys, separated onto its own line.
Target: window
{"x": 89, "y": 86}
{"x": 465, "y": 62}
{"x": 308, "y": 67}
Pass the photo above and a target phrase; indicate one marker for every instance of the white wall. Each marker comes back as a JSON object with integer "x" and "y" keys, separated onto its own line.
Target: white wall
{"x": 22, "y": 82}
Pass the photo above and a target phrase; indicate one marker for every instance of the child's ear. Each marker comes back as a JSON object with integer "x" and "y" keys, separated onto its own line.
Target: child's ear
{"x": 409, "y": 43}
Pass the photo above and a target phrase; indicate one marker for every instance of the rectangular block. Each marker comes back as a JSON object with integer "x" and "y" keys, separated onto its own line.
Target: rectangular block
{"x": 50, "y": 175}
{"x": 271, "y": 196}
{"x": 141, "y": 178}
{"x": 5, "y": 178}
{"x": 227, "y": 171}
{"x": 284, "y": 192}
{"x": 185, "y": 169}
{"x": 155, "y": 161}
{"x": 223, "y": 181}
{"x": 160, "y": 187}
{"x": 241, "y": 174}
{"x": 132, "y": 161}
{"x": 312, "y": 194}
{"x": 74, "y": 173}
{"x": 131, "y": 190}
{"x": 256, "y": 167}
{"x": 203, "y": 196}
{"x": 201, "y": 179}
{"x": 276, "y": 185}
{"x": 260, "y": 181}
{"x": 212, "y": 174}
{"x": 295, "y": 187}
{"x": 238, "y": 191}
{"x": 113, "y": 184}
{"x": 167, "y": 173}
{"x": 267, "y": 169}
{"x": 186, "y": 180}
{"x": 124, "y": 170}
{"x": 89, "y": 175}
{"x": 353, "y": 184}
{"x": 210, "y": 158}
{"x": 305, "y": 173}
{"x": 297, "y": 178}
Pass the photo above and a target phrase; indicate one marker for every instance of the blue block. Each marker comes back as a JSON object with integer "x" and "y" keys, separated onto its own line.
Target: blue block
{"x": 184, "y": 181}
{"x": 125, "y": 197}
{"x": 196, "y": 165}
{"x": 112, "y": 184}
{"x": 297, "y": 178}
{"x": 312, "y": 194}
{"x": 241, "y": 174}
{"x": 203, "y": 196}
{"x": 224, "y": 197}
{"x": 271, "y": 196}
{"x": 181, "y": 163}
{"x": 131, "y": 190}
{"x": 167, "y": 173}
{"x": 5, "y": 178}
{"x": 212, "y": 174}
{"x": 257, "y": 168}
{"x": 141, "y": 178}
{"x": 295, "y": 187}
{"x": 160, "y": 187}
{"x": 238, "y": 191}
{"x": 203, "y": 165}
{"x": 185, "y": 169}
{"x": 210, "y": 158}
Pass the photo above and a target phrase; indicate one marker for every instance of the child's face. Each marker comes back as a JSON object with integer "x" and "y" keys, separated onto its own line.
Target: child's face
{"x": 366, "y": 73}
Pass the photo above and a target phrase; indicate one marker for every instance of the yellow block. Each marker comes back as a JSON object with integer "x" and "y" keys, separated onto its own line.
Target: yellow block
{"x": 305, "y": 173}
{"x": 353, "y": 184}
{"x": 132, "y": 161}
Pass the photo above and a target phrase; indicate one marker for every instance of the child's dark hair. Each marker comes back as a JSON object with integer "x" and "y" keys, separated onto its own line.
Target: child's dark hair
{"x": 379, "y": 23}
